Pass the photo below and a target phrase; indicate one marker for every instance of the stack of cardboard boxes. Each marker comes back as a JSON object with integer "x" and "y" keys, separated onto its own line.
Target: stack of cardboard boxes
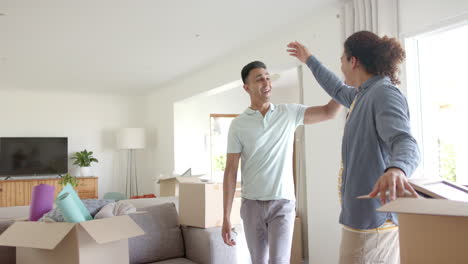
{"x": 201, "y": 205}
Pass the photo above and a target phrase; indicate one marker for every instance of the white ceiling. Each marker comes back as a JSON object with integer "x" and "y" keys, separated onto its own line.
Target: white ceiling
{"x": 129, "y": 46}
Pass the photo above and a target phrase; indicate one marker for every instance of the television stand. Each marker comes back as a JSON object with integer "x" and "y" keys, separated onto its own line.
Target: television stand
{"x": 18, "y": 192}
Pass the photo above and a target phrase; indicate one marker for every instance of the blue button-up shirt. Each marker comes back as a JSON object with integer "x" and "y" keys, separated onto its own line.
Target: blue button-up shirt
{"x": 376, "y": 137}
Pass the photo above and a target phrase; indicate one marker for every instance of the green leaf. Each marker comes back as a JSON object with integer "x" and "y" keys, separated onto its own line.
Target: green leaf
{"x": 83, "y": 158}
{"x": 67, "y": 178}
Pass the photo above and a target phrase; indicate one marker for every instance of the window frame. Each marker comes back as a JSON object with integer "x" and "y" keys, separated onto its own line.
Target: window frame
{"x": 412, "y": 76}
{"x": 210, "y": 139}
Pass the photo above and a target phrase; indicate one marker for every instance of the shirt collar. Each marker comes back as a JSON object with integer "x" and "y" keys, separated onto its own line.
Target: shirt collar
{"x": 371, "y": 81}
{"x": 250, "y": 111}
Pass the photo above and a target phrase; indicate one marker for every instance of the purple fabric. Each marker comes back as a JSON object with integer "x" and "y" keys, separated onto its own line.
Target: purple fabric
{"x": 42, "y": 201}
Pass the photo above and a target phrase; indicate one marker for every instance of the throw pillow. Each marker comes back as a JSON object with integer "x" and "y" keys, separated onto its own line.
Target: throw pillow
{"x": 115, "y": 209}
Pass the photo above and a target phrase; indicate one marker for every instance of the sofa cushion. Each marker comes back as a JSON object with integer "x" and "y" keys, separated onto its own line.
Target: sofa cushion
{"x": 163, "y": 237}
{"x": 14, "y": 212}
{"x": 115, "y": 209}
{"x": 145, "y": 202}
{"x": 175, "y": 261}
{"x": 7, "y": 254}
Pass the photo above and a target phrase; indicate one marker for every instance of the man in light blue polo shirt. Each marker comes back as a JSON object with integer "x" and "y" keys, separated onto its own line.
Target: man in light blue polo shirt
{"x": 263, "y": 138}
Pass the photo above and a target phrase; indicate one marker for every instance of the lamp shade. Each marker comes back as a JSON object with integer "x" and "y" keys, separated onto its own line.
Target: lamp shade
{"x": 131, "y": 138}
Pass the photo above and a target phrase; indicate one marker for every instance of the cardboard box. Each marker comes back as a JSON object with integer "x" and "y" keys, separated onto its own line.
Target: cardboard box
{"x": 95, "y": 241}
{"x": 201, "y": 205}
{"x": 297, "y": 256}
{"x": 432, "y": 231}
{"x": 170, "y": 186}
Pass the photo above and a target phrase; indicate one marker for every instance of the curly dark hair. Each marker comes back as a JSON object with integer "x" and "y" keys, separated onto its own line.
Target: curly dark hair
{"x": 379, "y": 56}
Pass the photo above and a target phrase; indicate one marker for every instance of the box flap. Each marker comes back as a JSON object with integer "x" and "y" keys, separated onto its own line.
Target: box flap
{"x": 166, "y": 179}
{"x": 112, "y": 229}
{"x": 426, "y": 206}
{"x": 35, "y": 234}
{"x": 189, "y": 180}
{"x": 440, "y": 188}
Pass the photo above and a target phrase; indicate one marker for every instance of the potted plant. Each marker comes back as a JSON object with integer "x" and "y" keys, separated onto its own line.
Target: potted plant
{"x": 84, "y": 159}
{"x": 67, "y": 178}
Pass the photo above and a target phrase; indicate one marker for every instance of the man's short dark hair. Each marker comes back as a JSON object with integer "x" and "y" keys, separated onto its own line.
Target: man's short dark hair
{"x": 247, "y": 68}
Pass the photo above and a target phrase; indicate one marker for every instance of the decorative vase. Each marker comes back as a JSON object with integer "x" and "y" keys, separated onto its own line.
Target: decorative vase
{"x": 85, "y": 171}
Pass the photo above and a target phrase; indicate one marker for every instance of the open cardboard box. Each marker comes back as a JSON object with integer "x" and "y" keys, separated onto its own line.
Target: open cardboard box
{"x": 170, "y": 186}
{"x": 95, "y": 241}
{"x": 431, "y": 230}
{"x": 201, "y": 205}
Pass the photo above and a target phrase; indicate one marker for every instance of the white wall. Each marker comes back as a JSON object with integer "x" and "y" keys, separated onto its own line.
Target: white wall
{"x": 322, "y": 33}
{"x": 417, "y": 16}
{"x": 192, "y": 122}
{"x": 192, "y": 127}
{"x": 88, "y": 120}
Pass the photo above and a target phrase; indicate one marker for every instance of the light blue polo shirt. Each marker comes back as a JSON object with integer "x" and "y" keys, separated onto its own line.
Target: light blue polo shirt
{"x": 266, "y": 147}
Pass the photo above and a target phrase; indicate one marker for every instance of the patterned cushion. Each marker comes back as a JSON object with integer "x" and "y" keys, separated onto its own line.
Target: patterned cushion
{"x": 163, "y": 237}
{"x": 93, "y": 206}
{"x": 115, "y": 209}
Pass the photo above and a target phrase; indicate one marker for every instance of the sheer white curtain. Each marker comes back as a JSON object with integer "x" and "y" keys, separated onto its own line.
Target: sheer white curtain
{"x": 378, "y": 16}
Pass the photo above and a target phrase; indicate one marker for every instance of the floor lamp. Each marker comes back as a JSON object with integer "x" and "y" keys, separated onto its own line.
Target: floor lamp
{"x": 131, "y": 139}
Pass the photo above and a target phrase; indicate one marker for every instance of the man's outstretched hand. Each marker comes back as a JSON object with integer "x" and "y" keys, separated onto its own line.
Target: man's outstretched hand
{"x": 299, "y": 51}
{"x": 393, "y": 183}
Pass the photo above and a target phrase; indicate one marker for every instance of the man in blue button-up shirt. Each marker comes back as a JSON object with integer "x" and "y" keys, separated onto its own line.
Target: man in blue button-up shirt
{"x": 378, "y": 151}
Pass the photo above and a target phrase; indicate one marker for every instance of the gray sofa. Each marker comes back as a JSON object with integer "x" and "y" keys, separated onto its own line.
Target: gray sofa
{"x": 7, "y": 254}
{"x": 165, "y": 241}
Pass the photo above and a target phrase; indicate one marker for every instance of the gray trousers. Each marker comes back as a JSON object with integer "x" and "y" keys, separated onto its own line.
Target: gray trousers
{"x": 268, "y": 227}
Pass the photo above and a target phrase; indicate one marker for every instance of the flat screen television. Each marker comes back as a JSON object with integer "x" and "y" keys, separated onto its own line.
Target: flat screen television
{"x": 29, "y": 156}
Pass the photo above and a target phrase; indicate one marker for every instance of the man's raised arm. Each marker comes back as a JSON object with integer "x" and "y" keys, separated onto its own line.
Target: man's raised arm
{"x": 315, "y": 114}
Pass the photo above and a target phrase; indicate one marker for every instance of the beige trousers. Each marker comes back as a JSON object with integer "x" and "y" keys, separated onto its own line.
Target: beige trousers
{"x": 380, "y": 247}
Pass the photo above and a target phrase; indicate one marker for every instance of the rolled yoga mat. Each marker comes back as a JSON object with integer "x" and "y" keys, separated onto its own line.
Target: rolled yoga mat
{"x": 42, "y": 201}
{"x": 69, "y": 189}
{"x": 69, "y": 208}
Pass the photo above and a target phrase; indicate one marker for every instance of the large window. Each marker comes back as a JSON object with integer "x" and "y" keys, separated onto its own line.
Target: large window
{"x": 219, "y": 128}
{"x": 437, "y": 90}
